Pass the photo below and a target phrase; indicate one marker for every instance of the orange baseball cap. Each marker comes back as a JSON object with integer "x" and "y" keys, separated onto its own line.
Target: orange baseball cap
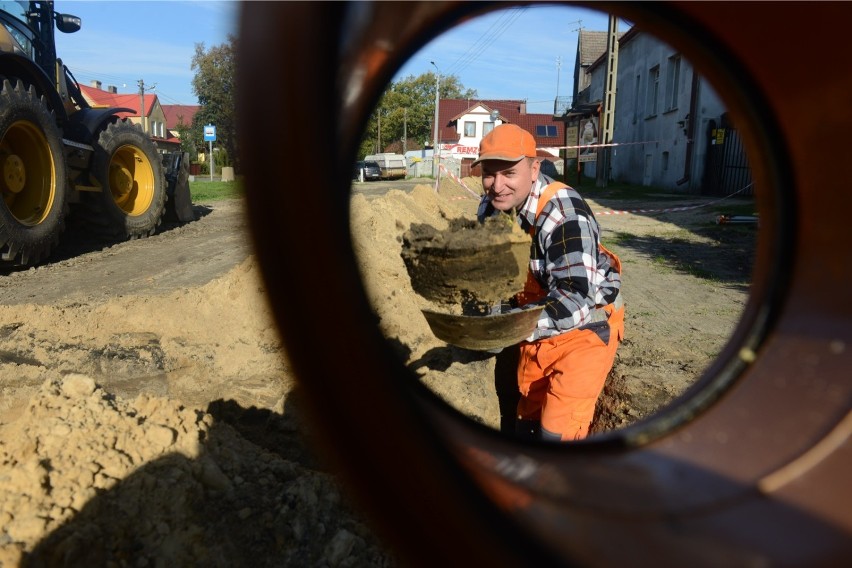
{"x": 507, "y": 142}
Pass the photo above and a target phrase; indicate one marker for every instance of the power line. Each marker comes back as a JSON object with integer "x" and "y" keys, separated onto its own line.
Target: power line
{"x": 499, "y": 27}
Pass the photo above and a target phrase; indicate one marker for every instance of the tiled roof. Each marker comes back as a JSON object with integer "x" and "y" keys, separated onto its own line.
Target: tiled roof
{"x": 101, "y": 98}
{"x": 176, "y": 113}
{"x": 590, "y": 46}
{"x": 511, "y": 110}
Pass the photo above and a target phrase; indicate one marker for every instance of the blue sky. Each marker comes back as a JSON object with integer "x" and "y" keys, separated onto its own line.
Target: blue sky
{"x": 121, "y": 42}
{"x": 513, "y": 53}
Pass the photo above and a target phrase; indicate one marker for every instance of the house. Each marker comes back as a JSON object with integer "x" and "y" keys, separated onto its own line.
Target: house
{"x": 463, "y": 123}
{"x": 177, "y": 115}
{"x": 591, "y": 46}
{"x": 152, "y": 117}
{"x": 669, "y": 124}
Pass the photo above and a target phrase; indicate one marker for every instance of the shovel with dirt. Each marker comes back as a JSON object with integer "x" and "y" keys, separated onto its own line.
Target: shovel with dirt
{"x": 485, "y": 332}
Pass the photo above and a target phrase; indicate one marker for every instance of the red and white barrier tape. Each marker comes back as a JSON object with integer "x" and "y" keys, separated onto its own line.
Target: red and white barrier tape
{"x": 614, "y": 212}
{"x": 611, "y": 144}
{"x": 455, "y": 179}
{"x": 670, "y": 209}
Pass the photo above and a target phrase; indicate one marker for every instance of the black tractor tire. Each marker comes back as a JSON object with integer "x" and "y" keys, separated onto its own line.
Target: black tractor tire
{"x": 33, "y": 194}
{"x": 129, "y": 171}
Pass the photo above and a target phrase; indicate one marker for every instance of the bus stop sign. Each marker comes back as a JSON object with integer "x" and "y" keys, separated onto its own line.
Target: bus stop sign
{"x": 209, "y": 133}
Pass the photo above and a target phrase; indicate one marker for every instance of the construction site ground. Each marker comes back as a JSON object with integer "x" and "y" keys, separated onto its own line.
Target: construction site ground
{"x": 148, "y": 414}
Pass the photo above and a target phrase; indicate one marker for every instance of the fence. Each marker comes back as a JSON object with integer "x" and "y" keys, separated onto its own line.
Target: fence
{"x": 422, "y": 167}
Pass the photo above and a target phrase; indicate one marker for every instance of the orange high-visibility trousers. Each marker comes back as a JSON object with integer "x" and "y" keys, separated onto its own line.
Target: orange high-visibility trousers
{"x": 560, "y": 378}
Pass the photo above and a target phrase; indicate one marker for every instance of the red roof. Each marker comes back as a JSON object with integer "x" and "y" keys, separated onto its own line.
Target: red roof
{"x": 512, "y": 111}
{"x": 177, "y": 113}
{"x": 101, "y": 98}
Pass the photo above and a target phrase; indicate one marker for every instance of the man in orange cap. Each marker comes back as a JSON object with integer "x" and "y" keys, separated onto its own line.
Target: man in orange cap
{"x": 564, "y": 363}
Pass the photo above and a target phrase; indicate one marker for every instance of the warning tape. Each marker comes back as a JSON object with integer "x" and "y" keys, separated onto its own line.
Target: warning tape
{"x": 610, "y": 145}
{"x": 613, "y": 212}
{"x": 670, "y": 209}
{"x": 455, "y": 179}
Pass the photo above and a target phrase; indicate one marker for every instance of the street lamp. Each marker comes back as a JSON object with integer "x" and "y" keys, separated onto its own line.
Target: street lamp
{"x": 435, "y": 152}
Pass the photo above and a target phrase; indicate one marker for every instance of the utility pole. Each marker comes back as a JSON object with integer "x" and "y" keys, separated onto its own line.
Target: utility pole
{"x": 608, "y": 112}
{"x": 142, "y": 104}
{"x": 435, "y": 153}
{"x": 558, "y": 67}
{"x": 404, "y": 131}
{"x": 142, "y": 122}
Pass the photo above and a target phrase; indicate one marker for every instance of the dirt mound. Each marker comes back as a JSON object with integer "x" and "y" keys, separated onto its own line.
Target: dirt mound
{"x": 149, "y": 481}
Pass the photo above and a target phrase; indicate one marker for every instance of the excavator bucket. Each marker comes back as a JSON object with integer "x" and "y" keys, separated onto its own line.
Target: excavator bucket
{"x": 179, "y": 202}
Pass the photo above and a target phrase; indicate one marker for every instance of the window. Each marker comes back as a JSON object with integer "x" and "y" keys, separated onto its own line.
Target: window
{"x": 672, "y": 81}
{"x": 546, "y": 130}
{"x": 470, "y": 129}
{"x": 487, "y": 127}
{"x": 653, "y": 90}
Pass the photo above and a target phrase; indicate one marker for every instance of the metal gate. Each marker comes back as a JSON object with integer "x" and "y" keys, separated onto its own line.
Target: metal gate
{"x": 726, "y": 171}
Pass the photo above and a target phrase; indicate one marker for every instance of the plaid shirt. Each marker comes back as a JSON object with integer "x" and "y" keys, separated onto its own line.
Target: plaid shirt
{"x": 564, "y": 258}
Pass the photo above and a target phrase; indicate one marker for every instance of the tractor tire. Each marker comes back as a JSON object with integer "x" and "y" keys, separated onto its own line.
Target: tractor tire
{"x": 130, "y": 172}
{"x": 32, "y": 177}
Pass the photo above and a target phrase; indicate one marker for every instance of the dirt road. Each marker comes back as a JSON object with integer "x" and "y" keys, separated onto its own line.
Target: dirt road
{"x": 155, "y": 360}
{"x": 178, "y": 256}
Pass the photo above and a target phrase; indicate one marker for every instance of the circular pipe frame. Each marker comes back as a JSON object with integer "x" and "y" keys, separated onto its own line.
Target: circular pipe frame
{"x": 751, "y": 465}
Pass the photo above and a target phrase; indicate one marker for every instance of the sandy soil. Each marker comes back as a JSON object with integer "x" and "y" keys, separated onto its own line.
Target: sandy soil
{"x": 149, "y": 416}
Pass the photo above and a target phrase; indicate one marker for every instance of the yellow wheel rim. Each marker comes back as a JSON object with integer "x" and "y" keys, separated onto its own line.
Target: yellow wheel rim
{"x": 131, "y": 180}
{"x": 27, "y": 174}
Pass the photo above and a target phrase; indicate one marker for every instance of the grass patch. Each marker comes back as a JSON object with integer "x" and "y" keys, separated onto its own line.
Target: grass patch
{"x": 617, "y": 238}
{"x": 215, "y": 190}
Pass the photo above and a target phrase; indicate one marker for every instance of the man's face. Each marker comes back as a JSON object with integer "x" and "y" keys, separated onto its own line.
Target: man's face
{"x": 509, "y": 183}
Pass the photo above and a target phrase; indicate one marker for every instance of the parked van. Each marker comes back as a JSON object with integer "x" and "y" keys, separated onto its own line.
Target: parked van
{"x": 366, "y": 171}
{"x": 391, "y": 165}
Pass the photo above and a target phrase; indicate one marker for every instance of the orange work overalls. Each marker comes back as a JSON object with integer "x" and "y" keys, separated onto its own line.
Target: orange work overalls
{"x": 561, "y": 377}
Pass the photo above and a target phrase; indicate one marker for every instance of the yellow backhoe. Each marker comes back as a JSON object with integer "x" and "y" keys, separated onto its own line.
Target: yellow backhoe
{"x": 58, "y": 154}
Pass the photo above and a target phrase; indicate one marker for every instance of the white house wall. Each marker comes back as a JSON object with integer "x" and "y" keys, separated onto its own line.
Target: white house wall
{"x": 468, "y": 146}
{"x": 655, "y": 142}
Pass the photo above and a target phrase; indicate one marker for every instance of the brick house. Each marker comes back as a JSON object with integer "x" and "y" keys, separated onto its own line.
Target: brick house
{"x": 463, "y": 123}
{"x": 158, "y": 121}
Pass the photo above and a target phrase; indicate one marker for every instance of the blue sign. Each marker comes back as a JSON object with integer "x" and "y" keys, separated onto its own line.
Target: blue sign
{"x": 209, "y": 133}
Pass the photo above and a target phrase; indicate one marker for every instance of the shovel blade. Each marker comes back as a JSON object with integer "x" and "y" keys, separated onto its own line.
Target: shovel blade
{"x": 483, "y": 333}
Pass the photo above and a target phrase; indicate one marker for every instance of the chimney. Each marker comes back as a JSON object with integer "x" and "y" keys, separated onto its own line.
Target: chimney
{"x": 96, "y": 84}
{"x": 112, "y": 89}
{"x": 523, "y": 109}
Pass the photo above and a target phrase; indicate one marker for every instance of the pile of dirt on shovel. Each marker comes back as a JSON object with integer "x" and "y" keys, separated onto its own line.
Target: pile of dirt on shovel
{"x": 469, "y": 265}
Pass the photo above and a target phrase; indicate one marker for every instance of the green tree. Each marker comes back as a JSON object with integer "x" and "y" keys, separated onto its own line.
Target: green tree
{"x": 213, "y": 84}
{"x": 407, "y": 107}
{"x": 187, "y": 138}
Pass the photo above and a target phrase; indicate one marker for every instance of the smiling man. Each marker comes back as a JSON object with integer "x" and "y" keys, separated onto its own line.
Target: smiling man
{"x": 564, "y": 363}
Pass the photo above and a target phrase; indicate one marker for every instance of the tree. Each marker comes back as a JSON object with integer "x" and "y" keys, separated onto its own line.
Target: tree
{"x": 187, "y": 138}
{"x": 408, "y": 107}
{"x": 213, "y": 84}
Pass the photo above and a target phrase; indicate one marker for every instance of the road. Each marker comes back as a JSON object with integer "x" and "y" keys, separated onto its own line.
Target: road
{"x": 178, "y": 256}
